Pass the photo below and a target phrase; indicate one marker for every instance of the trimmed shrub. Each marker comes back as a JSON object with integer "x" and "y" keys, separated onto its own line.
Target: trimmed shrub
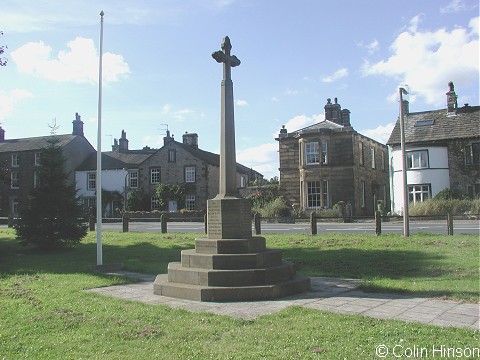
{"x": 443, "y": 207}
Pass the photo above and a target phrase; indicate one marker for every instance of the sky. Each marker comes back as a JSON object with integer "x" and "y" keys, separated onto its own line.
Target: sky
{"x": 158, "y": 71}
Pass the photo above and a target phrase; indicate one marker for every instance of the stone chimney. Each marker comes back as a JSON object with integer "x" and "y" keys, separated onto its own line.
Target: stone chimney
{"x": 123, "y": 142}
{"x": 190, "y": 139}
{"x": 333, "y": 111}
{"x": 406, "y": 107}
{"x": 2, "y": 134}
{"x": 77, "y": 126}
{"x": 115, "y": 145}
{"x": 451, "y": 99}
{"x": 167, "y": 138}
{"x": 345, "y": 113}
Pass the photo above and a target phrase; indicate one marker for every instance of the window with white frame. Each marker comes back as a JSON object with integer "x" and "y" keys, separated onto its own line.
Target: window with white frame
{"x": 38, "y": 158}
{"x": 14, "y": 180}
{"x": 154, "y": 203}
{"x": 362, "y": 198}
{"x": 372, "y": 152}
{"x": 172, "y": 155}
{"x": 417, "y": 159}
{"x": 190, "y": 202}
{"x": 418, "y": 193}
{"x": 325, "y": 194}
{"x": 91, "y": 181}
{"x": 242, "y": 181}
{"x": 314, "y": 194}
{"x": 133, "y": 179}
{"x": 472, "y": 154}
{"x": 155, "y": 176}
{"x": 90, "y": 202}
{"x": 311, "y": 153}
{"x": 324, "y": 157}
{"x": 316, "y": 152}
{"x": 190, "y": 174}
{"x": 36, "y": 180}
{"x": 15, "y": 160}
{"x": 15, "y": 203}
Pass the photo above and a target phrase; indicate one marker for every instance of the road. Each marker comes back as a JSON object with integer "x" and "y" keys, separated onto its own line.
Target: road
{"x": 435, "y": 227}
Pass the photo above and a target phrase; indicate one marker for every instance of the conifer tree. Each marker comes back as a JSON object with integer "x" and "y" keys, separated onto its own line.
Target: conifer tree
{"x": 51, "y": 218}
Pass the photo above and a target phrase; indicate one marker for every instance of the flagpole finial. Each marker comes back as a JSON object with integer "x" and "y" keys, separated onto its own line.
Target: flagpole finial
{"x": 102, "y": 13}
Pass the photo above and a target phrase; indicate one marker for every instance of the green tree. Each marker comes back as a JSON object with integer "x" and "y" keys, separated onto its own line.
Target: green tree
{"x": 51, "y": 217}
{"x": 166, "y": 192}
{"x": 136, "y": 201}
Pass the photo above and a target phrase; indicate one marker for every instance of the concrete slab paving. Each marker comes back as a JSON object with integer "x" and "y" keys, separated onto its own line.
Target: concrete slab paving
{"x": 329, "y": 294}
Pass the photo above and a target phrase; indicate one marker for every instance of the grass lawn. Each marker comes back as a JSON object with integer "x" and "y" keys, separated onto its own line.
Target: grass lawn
{"x": 44, "y": 314}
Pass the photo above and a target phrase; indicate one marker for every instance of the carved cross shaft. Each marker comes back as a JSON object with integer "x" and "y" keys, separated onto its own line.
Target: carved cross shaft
{"x": 224, "y": 57}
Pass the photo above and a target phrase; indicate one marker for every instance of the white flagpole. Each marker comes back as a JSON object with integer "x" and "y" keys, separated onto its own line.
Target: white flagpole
{"x": 406, "y": 223}
{"x": 99, "y": 151}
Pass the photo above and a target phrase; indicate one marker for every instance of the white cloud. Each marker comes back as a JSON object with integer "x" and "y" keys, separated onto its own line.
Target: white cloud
{"x": 274, "y": 99}
{"x": 301, "y": 121}
{"x": 291, "y": 92}
{"x": 453, "y": 6}
{"x": 10, "y": 100}
{"x": 262, "y": 158}
{"x": 428, "y": 60}
{"x": 381, "y": 133}
{"x": 372, "y": 47}
{"x": 340, "y": 73}
{"x": 78, "y": 64}
{"x": 241, "y": 102}
{"x": 179, "y": 115}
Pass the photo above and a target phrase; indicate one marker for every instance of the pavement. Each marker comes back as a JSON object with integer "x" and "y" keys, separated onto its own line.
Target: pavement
{"x": 330, "y": 294}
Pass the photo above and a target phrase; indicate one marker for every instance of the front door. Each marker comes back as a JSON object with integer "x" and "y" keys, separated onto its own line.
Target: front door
{"x": 172, "y": 205}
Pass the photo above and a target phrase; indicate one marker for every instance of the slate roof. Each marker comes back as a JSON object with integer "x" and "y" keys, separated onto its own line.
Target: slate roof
{"x": 325, "y": 124}
{"x": 33, "y": 143}
{"x": 465, "y": 124}
{"x": 211, "y": 158}
{"x": 112, "y": 160}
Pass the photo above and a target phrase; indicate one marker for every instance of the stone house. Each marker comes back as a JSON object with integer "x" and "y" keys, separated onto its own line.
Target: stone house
{"x": 21, "y": 158}
{"x": 125, "y": 171}
{"x": 442, "y": 149}
{"x": 329, "y": 162}
{"x": 185, "y": 163}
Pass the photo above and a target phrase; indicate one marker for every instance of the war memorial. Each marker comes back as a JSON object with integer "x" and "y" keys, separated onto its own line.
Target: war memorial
{"x": 229, "y": 264}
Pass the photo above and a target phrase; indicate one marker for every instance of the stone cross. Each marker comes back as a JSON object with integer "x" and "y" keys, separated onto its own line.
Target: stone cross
{"x": 228, "y": 163}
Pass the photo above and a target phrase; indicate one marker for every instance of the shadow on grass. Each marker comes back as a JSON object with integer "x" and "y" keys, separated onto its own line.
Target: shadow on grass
{"x": 139, "y": 257}
{"x": 385, "y": 265}
{"x": 359, "y": 263}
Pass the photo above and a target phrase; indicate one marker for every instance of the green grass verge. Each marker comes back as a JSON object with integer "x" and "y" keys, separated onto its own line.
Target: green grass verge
{"x": 44, "y": 314}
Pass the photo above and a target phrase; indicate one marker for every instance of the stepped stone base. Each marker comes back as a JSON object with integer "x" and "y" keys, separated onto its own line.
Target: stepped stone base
{"x": 230, "y": 265}
{"x": 296, "y": 285}
{"x": 230, "y": 270}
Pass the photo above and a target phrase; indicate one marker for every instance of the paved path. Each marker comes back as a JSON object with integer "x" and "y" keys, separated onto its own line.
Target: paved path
{"x": 331, "y": 294}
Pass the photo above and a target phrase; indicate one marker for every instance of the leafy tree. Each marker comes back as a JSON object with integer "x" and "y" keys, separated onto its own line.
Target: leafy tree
{"x": 166, "y": 192}
{"x": 136, "y": 201}
{"x": 51, "y": 218}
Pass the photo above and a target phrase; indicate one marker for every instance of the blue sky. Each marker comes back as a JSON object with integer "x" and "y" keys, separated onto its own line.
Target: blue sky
{"x": 158, "y": 67}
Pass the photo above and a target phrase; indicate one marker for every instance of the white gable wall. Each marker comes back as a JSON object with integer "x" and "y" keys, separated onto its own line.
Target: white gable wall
{"x": 112, "y": 180}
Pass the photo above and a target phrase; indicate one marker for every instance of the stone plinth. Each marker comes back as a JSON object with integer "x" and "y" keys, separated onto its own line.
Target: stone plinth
{"x": 229, "y": 218}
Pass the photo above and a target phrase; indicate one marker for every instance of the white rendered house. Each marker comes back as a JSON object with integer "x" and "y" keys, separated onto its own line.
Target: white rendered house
{"x": 442, "y": 152}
